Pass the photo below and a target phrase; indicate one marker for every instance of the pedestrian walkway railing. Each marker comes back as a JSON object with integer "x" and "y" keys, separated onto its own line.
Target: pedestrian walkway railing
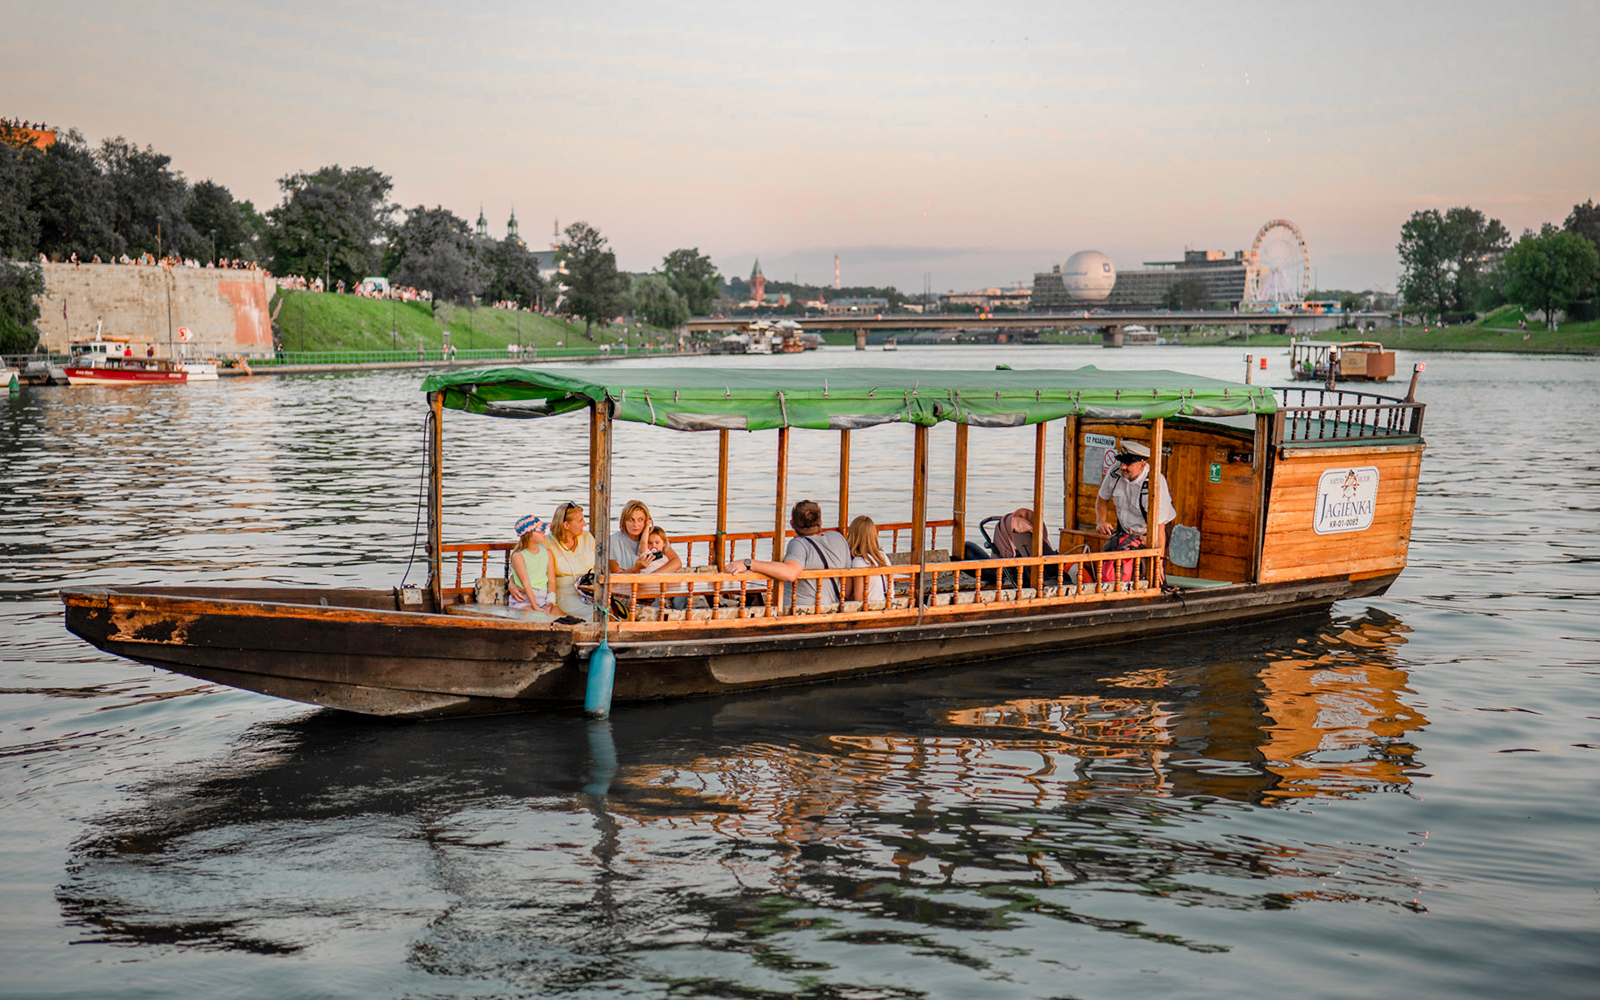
{"x": 485, "y": 355}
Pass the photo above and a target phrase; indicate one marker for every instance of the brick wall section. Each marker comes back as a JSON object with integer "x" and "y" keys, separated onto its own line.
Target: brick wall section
{"x": 226, "y": 311}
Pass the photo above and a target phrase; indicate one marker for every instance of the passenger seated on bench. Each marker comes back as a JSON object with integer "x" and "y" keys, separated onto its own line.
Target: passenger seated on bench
{"x": 571, "y": 556}
{"x": 656, "y": 547}
{"x": 812, "y": 549}
{"x": 627, "y": 544}
{"x": 865, "y": 551}
{"x": 529, "y": 586}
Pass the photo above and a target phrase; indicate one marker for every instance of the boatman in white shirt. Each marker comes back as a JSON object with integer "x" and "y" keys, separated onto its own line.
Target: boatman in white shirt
{"x": 1127, "y": 488}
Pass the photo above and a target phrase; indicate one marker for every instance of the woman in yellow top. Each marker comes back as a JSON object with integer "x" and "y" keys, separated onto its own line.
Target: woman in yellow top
{"x": 572, "y": 552}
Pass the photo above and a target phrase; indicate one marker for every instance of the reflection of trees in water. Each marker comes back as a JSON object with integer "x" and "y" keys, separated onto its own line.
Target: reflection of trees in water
{"x": 936, "y": 814}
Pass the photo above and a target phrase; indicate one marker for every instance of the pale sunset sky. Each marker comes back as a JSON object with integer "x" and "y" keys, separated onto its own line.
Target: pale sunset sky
{"x": 973, "y": 144}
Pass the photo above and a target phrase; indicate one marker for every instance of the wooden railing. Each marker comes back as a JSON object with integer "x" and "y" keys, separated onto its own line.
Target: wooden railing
{"x": 738, "y": 544}
{"x": 1308, "y": 415}
{"x": 480, "y": 549}
{"x": 647, "y": 600}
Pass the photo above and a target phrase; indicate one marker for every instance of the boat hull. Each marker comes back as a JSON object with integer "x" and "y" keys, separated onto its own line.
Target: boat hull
{"x": 115, "y": 376}
{"x": 358, "y": 653}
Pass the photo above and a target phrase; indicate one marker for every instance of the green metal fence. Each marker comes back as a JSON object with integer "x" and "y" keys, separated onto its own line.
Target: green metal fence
{"x": 473, "y": 356}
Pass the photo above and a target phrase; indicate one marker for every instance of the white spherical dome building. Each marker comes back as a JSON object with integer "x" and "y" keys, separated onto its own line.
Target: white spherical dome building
{"x": 1089, "y": 275}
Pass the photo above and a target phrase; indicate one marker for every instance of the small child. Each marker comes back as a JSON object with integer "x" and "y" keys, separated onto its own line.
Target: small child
{"x": 656, "y": 545}
{"x": 529, "y": 586}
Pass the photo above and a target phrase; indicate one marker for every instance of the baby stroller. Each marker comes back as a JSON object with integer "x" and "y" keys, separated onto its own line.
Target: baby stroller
{"x": 1010, "y": 536}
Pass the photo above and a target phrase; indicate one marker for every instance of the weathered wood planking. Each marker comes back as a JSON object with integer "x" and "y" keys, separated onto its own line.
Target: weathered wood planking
{"x": 1291, "y": 548}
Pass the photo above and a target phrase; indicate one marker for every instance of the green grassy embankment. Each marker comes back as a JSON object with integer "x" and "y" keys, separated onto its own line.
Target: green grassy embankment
{"x": 1496, "y": 332}
{"x": 313, "y": 321}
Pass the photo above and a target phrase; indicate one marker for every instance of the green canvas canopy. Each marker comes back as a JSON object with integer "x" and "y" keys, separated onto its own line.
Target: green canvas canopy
{"x": 698, "y": 399}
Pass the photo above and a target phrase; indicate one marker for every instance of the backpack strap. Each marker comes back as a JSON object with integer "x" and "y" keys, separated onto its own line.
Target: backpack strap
{"x": 834, "y": 581}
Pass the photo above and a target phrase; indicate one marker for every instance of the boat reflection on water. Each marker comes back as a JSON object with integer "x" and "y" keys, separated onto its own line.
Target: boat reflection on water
{"x": 547, "y": 847}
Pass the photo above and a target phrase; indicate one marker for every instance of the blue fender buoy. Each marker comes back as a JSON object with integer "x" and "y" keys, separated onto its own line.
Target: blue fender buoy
{"x": 602, "y": 676}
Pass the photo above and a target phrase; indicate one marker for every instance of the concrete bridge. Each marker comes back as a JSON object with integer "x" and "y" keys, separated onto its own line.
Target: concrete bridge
{"x": 1110, "y": 324}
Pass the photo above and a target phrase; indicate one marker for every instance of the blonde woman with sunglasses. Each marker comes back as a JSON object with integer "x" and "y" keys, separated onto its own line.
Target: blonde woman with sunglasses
{"x": 572, "y": 552}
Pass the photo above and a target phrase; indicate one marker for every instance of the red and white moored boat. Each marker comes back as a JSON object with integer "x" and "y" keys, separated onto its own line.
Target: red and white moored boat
{"x": 110, "y": 362}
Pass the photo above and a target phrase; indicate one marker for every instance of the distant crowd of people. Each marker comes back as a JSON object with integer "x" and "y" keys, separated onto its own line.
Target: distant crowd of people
{"x": 363, "y": 289}
{"x": 402, "y": 293}
{"x": 18, "y": 123}
{"x": 151, "y": 260}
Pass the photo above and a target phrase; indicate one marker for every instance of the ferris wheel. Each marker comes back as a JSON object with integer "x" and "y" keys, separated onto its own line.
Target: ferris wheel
{"x": 1283, "y": 264}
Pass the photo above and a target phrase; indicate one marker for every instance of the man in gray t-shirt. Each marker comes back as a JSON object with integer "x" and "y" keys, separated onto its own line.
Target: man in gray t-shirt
{"x": 813, "y": 548}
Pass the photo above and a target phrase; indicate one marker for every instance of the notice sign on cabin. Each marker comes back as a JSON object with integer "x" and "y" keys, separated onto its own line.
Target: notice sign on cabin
{"x": 1346, "y": 500}
{"x": 1099, "y": 455}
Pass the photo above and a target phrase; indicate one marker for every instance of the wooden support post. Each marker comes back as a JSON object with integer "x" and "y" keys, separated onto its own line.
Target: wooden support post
{"x": 919, "y": 490}
{"x": 720, "y": 557}
{"x": 780, "y": 515}
{"x": 1258, "y": 499}
{"x": 958, "y": 509}
{"x": 1069, "y": 476}
{"x": 436, "y": 502}
{"x": 919, "y": 510}
{"x": 594, "y": 462}
{"x": 600, "y": 500}
{"x": 844, "y": 479}
{"x": 1038, "y": 500}
{"x": 1155, "y": 530}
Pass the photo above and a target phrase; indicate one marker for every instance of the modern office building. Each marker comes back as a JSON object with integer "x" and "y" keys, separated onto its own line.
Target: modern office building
{"x": 1224, "y": 279}
{"x": 1013, "y": 299}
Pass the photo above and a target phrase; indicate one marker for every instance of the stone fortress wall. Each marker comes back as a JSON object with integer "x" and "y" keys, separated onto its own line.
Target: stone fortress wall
{"x": 226, "y": 312}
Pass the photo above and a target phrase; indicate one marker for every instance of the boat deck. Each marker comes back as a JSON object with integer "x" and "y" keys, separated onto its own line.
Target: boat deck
{"x": 1318, "y": 432}
{"x": 500, "y": 611}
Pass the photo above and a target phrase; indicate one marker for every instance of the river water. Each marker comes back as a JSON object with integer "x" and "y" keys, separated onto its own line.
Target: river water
{"x": 1398, "y": 798}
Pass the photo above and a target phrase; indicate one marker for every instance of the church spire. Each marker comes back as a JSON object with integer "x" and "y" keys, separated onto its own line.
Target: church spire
{"x": 758, "y": 283}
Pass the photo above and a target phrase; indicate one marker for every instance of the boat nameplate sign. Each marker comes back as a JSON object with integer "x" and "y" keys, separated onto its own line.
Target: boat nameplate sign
{"x": 1346, "y": 500}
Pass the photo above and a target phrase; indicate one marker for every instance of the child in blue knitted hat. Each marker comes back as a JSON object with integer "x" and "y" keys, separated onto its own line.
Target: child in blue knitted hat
{"x": 529, "y": 586}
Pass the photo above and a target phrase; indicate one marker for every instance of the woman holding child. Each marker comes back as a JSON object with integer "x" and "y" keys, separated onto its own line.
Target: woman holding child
{"x": 629, "y": 544}
{"x": 640, "y": 546}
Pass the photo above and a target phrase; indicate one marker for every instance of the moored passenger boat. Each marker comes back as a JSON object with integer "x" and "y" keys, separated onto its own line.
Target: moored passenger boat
{"x": 1288, "y": 500}
{"x": 1352, "y": 361}
{"x": 110, "y": 361}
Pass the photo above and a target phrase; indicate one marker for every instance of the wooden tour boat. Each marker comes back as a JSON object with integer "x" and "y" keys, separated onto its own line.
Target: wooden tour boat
{"x": 1353, "y": 361}
{"x": 1289, "y": 500}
